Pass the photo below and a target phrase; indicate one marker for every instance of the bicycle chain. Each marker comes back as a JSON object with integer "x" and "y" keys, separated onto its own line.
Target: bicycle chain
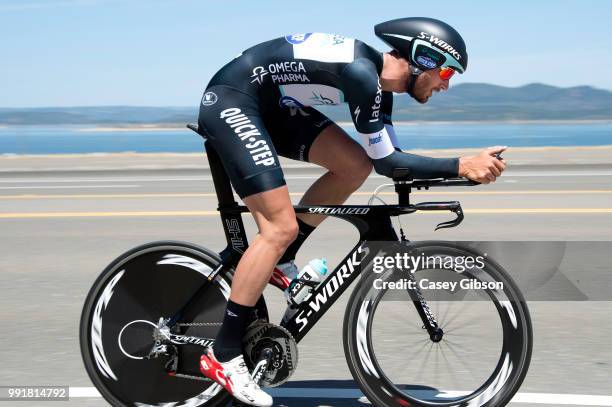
{"x": 199, "y": 324}
{"x": 188, "y": 376}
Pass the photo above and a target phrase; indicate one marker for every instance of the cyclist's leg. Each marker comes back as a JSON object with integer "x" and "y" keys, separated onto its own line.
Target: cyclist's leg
{"x": 237, "y": 132}
{"x": 348, "y": 167}
{"x": 275, "y": 218}
{"x": 305, "y": 134}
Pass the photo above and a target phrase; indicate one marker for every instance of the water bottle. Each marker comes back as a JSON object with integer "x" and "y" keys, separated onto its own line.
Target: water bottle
{"x": 299, "y": 291}
{"x": 289, "y": 271}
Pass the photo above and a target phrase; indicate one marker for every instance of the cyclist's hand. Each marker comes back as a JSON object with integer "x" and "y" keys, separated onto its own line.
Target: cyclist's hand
{"x": 484, "y": 167}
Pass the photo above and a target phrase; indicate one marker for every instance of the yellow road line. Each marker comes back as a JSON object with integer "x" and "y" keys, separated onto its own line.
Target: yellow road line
{"x": 108, "y": 196}
{"x": 26, "y": 215}
{"x": 360, "y": 193}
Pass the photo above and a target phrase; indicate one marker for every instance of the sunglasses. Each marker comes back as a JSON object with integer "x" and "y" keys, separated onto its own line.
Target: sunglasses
{"x": 446, "y": 73}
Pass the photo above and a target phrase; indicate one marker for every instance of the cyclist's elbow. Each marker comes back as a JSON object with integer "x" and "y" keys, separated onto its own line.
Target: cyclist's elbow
{"x": 383, "y": 167}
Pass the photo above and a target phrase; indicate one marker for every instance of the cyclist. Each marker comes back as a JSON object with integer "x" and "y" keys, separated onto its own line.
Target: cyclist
{"x": 258, "y": 105}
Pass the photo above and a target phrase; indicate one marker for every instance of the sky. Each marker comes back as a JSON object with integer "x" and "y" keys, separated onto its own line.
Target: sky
{"x": 163, "y": 52}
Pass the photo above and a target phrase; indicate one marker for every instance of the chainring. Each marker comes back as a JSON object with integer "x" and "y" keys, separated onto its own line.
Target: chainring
{"x": 261, "y": 335}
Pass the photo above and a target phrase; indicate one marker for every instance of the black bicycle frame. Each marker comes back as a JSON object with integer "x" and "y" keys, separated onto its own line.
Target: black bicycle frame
{"x": 373, "y": 223}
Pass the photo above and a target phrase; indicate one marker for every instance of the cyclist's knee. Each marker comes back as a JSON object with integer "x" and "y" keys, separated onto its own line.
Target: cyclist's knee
{"x": 281, "y": 233}
{"x": 356, "y": 171}
{"x": 363, "y": 169}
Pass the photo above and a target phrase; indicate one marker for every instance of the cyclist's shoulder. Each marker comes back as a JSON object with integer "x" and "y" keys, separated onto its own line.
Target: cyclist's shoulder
{"x": 318, "y": 46}
{"x": 330, "y": 47}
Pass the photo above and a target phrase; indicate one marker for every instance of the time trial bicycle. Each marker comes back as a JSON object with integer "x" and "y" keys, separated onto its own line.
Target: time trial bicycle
{"x": 155, "y": 309}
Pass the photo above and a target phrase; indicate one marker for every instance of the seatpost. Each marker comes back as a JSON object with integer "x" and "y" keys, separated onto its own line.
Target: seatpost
{"x": 231, "y": 217}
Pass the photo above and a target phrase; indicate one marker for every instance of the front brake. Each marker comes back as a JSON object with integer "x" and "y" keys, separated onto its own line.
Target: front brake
{"x": 452, "y": 206}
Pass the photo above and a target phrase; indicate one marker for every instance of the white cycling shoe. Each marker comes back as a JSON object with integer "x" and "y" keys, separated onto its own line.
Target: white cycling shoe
{"x": 235, "y": 378}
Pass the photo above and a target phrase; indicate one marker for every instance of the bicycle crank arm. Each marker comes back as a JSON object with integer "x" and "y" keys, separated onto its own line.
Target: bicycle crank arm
{"x": 260, "y": 368}
{"x": 262, "y": 364}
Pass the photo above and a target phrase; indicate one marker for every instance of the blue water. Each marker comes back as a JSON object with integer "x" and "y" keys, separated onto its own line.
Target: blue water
{"x": 73, "y": 139}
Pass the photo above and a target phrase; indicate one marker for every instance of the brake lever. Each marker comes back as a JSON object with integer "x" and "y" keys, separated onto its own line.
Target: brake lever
{"x": 452, "y": 223}
{"x": 454, "y": 207}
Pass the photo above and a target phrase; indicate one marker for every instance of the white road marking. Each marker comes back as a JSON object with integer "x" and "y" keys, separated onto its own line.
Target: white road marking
{"x": 304, "y": 176}
{"x": 332, "y": 393}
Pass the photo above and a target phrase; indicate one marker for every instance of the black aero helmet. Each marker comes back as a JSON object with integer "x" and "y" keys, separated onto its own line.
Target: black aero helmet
{"x": 426, "y": 43}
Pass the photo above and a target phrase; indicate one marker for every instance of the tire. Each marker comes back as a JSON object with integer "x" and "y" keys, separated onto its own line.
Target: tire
{"x": 131, "y": 294}
{"x": 380, "y": 369}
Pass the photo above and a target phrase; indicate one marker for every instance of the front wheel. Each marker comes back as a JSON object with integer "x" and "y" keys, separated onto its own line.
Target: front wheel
{"x": 122, "y": 311}
{"x": 481, "y": 354}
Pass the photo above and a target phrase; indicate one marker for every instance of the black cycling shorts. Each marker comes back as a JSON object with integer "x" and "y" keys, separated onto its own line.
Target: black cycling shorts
{"x": 248, "y": 138}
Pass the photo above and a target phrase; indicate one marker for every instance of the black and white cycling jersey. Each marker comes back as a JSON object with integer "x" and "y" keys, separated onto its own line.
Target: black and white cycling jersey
{"x": 279, "y": 80}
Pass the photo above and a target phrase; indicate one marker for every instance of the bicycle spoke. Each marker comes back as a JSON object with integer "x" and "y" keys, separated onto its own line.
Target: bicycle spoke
{"x": 456, "y": 315}
{"x": 451, "y": 371}
{"x": 423, "y": 344}
{"x": 443, "y": 317}
{"x": 451, "y": 346}
{"x": 474, "y": 322}
{"x": 436, "y": 367}
{"x": 422, "y": 367}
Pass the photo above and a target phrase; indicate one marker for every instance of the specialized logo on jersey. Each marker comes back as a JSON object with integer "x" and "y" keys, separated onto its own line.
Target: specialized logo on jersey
{"x": 249, "y": 134}
{"x": 440, "y": 44}
{"x": 297, "y": 38}
{"x": 281, "y": 72}
{"x": 325, "y": 48}
{"x": 209, "y": 99}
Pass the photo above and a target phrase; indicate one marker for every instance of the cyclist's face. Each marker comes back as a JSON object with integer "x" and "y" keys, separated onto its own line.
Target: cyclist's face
{"x": 427, "y": 83}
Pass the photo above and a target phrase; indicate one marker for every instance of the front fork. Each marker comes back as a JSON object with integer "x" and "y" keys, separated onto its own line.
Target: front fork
{"x": 429, "y": 321}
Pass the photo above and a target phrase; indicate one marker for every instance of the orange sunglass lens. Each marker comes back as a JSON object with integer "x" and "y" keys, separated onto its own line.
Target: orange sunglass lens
{"x": 446, "y": 73}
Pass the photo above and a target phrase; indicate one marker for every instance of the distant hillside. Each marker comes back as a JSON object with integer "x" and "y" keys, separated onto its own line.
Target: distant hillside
{"x": 472, "y": 101}
{"x": 479, "y": 101}
{"x": 110, "y": 115}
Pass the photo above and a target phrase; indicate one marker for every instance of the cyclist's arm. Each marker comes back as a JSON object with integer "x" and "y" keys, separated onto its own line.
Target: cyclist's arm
{"x": 364, "y": 95}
